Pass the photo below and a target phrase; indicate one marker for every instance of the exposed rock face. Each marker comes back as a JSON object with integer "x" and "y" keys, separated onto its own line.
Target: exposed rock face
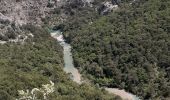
{"x": 107, "y": 7}
{"x": 26, "y": 11}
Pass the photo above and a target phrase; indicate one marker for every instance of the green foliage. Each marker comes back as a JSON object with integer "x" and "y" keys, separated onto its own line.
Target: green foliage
{"x": 131, "y": 47}
{"x": 34, "y": 63}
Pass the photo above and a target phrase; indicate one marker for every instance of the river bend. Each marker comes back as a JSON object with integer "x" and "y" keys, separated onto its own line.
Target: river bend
{"x": 75, "y": 75}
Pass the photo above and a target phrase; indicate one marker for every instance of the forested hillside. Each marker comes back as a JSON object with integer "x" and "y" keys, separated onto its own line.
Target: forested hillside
{"x": 37, "y": 61}
{"x": 121, "y": 44}
{"x": 128, "y": 48}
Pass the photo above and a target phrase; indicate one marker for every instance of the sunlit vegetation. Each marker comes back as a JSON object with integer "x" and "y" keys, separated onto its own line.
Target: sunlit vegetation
{"x": 129, "y": 48}
{"x": 36, "y": 62}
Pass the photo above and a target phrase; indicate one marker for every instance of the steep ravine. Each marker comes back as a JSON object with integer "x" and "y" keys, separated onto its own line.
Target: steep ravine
{"x": 76, "y": 76}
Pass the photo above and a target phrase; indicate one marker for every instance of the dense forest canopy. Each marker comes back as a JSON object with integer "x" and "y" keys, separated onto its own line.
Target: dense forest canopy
{"x": 24, "y": 66}
{"x": 129, "y": 48}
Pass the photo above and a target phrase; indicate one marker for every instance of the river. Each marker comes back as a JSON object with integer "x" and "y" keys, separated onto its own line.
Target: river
{"x": 76, "y": 76}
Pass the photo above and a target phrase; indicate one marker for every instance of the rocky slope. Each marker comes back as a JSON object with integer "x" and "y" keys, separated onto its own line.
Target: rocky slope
{"x": 26, "y": 11}
{"x": 17, "y": 13}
